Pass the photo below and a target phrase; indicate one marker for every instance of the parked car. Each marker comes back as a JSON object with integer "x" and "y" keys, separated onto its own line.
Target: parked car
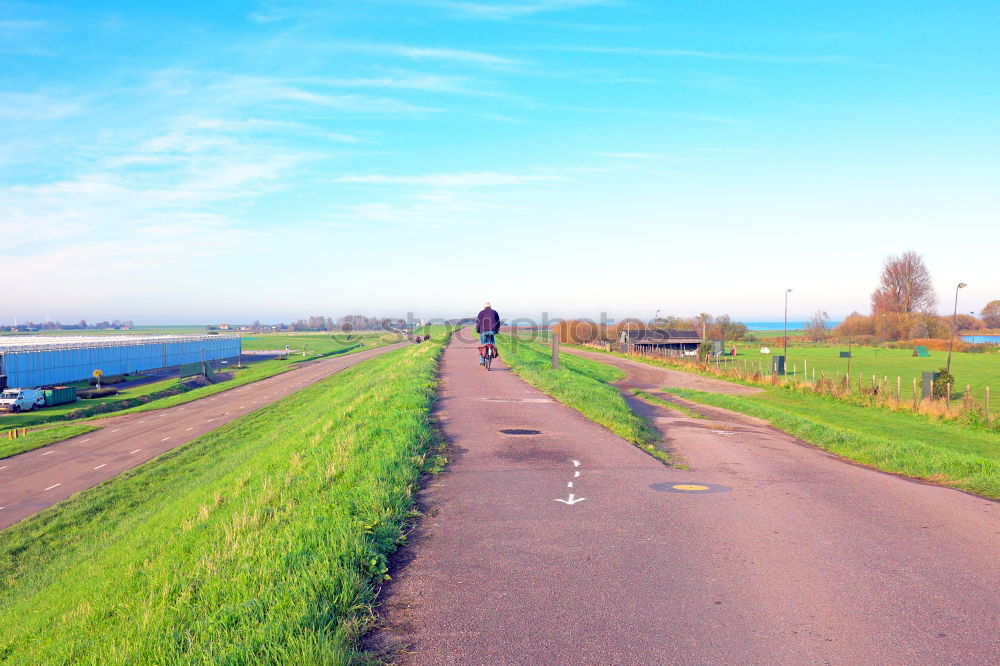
{"x": 17, "y": 400}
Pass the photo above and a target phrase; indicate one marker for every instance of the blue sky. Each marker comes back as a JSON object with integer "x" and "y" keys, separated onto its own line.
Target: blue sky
{"x": 202, "y": 161}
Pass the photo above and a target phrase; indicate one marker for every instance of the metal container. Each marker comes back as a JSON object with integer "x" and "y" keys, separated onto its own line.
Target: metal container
{"x": 59, "y": 395}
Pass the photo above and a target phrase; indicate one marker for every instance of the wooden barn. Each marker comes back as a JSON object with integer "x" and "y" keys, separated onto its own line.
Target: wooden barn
{"x": 660, "y": 341}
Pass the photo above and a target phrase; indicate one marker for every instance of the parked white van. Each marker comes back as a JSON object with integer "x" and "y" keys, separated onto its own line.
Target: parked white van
{"x": 16, "y": 400}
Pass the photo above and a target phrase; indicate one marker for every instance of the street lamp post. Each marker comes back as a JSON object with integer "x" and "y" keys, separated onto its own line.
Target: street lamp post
{"x": 785, "y": 347}
{"x": 954, "y": 325}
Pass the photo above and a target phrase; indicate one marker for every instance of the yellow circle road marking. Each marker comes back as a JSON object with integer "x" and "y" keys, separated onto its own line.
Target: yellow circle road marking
{"x": 687, "y": 487}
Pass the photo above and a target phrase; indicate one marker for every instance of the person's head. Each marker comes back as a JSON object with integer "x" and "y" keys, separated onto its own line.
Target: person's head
{"x": 486, "y": 304}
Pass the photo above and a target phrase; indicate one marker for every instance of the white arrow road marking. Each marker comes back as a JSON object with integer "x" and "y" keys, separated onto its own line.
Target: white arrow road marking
{"x": 576, "y": 463}
{"x": 571, "y": 501}
{"x": 84, "y": 440}
{"x": 47, "y": 453}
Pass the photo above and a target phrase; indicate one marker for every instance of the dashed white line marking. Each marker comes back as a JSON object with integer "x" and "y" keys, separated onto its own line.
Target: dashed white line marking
{"x": 210, "y": 420}
{"x": 53, "y": 486}
{"x": 101, "y": 465}
{"x": 576, "y": 463}
{"x": 136, "y": 451}
{"x": 164, "y": 439}
{"x": 47, "y": 453}
{"x": 140, "y": 422}
{"x": 116, "y": 430}
{"x": 576, "y": 474}
{"x": 84, "y": 440}
{"x": 569, "y": 485}
{"x": 4, "y": 467}
{"x": 191, "y": 428}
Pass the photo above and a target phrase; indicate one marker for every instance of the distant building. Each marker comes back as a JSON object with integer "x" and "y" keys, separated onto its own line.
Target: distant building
{"x": 223, "y": 327}
{"x": 659, "y": 341}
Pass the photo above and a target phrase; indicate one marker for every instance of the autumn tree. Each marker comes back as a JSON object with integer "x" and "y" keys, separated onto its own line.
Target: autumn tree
{"x": 991, "y": 314}
{"x": 904, "y": 286}
{"x": 818, "y": 327}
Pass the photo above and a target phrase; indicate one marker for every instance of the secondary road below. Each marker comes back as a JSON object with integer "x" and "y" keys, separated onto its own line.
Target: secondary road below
{"x": 571, "y": 546}
{"x": 34, "y": 480}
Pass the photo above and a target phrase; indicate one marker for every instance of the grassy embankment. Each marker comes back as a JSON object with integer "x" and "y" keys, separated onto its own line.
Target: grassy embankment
{"x": 170, "y": 392}
{"x": 42, "y": 437}
{"x": 583, "y": 385}
{"x": 945, "y": 452}
{"x": 262, "y": 542}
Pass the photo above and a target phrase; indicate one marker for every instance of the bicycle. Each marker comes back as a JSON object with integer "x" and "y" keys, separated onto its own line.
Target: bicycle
{"x": 487, "y": 354}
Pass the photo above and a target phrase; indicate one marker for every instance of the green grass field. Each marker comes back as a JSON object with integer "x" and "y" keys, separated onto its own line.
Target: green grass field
{"x": 962, "y": 456}
{"x": 583, "y": 385}
{"x": 262, "y": 542}
{"x": 978, "y": 370}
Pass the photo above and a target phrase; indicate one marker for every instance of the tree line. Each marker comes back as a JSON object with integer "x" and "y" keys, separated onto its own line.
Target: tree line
{"x": 903, "y": 307}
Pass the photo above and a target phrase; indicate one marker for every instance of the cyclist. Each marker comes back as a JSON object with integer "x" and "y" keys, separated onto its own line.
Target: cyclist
{"x": 487, "y": 325}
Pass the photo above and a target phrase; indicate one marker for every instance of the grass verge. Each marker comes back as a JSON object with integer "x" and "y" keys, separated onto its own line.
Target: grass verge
{"x": 35, "y": 439}
{"x": 262, "y": 542}
{"x": 583, "y": 385}
{"x": 963, "y": 457}
{"x": 683, "y": 409}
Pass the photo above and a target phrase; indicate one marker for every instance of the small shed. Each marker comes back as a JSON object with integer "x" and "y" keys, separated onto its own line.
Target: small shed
{"x": 660, "y": 341}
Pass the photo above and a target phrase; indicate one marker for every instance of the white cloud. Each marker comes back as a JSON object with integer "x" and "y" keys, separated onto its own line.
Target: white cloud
{"x": 34, "y": 106}
{"x": 459, "y": 180}
{"x": 504, "y": 11}
{"x": 835, "y": 59}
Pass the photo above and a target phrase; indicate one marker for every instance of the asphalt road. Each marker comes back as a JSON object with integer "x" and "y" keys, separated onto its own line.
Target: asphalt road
{"x": 775, "y": 553}
{"x": 34, "y": 480}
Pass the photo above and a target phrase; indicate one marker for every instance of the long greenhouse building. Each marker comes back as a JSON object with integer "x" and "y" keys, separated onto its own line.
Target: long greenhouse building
{"x": 34, "y": 361}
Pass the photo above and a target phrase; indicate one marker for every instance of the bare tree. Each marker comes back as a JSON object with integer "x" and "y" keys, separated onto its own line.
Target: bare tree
{"x": 905, "y": 286}
{"x": 818, "y": 327}
{"x": 991, "y": 314}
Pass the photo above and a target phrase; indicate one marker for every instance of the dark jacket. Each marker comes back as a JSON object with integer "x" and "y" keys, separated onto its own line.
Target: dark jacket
{"x": 488, "y": 321}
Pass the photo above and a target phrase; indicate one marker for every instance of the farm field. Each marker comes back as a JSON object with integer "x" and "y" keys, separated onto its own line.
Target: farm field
{"x": 265, "y": 540}
{"x": 978, "y": 370}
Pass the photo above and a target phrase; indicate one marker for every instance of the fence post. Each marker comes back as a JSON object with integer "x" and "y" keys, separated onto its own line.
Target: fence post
{"x": 947, "y": 391}
{"x": 987, "y": 405}
{"x": 914, "y": 395}
{"x": 555, "y": 350}
{"x": 899, "y": 388}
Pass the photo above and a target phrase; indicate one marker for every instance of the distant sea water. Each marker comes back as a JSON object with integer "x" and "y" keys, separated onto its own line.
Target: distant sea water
{"x": 978, "y": 339}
